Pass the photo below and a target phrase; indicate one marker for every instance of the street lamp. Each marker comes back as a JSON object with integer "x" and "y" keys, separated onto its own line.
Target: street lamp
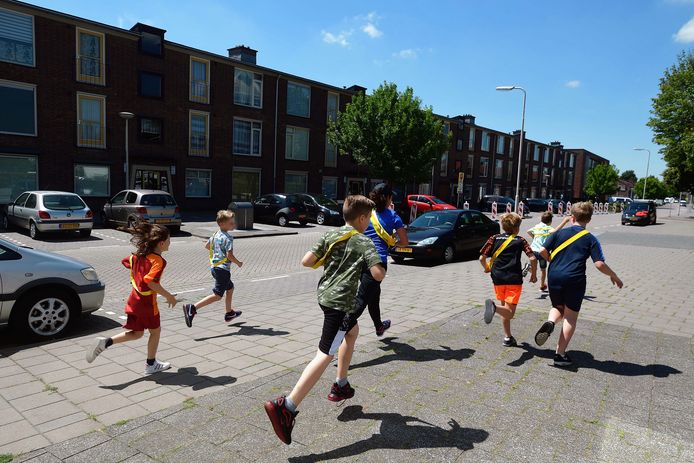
{"x": 648, "y": 164}
{"x": 127, "y": 116}
{"x": 508, "y": 88}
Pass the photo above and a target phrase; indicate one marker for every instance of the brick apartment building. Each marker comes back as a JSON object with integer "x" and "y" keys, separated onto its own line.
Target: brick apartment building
{"x": 585, "y": 160}
{"x": 207, "y": 128}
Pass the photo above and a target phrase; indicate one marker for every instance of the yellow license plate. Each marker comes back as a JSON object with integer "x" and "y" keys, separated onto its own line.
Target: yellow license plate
{"x": 405, "y": 250}
{"x": 161, "y": 221}
{"x": 69, "y": 225}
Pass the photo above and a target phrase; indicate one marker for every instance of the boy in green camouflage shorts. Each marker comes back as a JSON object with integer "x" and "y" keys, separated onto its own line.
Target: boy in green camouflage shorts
{"x": 344, "y": 253}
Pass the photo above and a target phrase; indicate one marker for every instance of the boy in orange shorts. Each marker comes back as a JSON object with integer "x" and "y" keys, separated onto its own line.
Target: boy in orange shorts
{"x": 504, "y": 252}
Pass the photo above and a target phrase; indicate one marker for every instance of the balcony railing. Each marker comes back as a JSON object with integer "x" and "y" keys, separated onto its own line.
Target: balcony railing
{"x": 91, "y": 135}
{"x": 91, "y": 70}
{"x": 199, "y": 91}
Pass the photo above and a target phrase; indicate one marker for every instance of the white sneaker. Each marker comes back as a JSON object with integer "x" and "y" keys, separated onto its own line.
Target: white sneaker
{"x": 156, "y": 367}
{"x": 98, "y": 347}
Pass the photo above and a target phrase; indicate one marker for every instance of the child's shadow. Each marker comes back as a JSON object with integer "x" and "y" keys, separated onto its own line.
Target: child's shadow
{"x": 183, "y": 377}
{"x": 583, "y": 359}
{"x": 406, "y": 353}
{"x": 397, "y": 433}
{"x": 247, "y": 331}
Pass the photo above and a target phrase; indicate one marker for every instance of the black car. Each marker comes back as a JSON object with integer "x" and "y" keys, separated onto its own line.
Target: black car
{"x": 322, "y": 210}
{"x": 445, "y": 234}
{"x": 536, "y": 204}
{"x": 640, "y": 213}
{"x": 280, "y": 209}
{"x": 485, "y": 203}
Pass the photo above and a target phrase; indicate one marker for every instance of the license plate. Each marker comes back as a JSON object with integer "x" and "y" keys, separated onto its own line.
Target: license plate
{"x": 69, "y": 226}
{"x": 161, "y": 221}
{"x": 404, "y": 250}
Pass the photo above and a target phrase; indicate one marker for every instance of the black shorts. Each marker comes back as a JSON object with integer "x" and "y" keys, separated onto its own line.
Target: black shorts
{"x": 222, "y": 281}
{"x": 540, "y": 260}
{"x": 336, "y": 324}
{"x": 569, "y": 294}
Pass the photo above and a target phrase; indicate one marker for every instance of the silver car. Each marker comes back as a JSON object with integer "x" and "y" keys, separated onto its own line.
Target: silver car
{"x": 131, "y": 206}
{"x": 41, "y": 293}
{"x": 49, "y": 211}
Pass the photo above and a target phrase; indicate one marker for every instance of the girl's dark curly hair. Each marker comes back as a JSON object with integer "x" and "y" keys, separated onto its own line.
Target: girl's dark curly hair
{"x": 146, "y": 237}
{"x": 382, "y": 194}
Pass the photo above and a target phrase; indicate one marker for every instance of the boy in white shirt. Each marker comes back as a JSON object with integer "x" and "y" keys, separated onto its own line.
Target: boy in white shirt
{"x": 539, "y": 234}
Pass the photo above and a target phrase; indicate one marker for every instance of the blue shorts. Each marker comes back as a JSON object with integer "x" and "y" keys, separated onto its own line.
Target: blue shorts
{"x": 222, "y": 281}
{"x": 569, "y": 294}
{"x": 540, "y": 260}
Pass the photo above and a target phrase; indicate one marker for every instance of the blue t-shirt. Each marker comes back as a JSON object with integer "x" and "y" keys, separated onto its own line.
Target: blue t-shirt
{"x": 220, "y": 244}
{"x": 390, "y": 221}
{"x": 569, "y": 265}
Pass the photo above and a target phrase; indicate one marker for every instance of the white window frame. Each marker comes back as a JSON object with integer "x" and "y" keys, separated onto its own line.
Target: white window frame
{"x": 302, "y": 173}
{"x": 22, "y": 86}
{"x": 308, "y": 143}
{"x": 33, "y": 39}
{"x": 260, "y": 138}
{"x": 209, "y": 188}
{"x": 101, "y": 80}
{"x": 337, "y": 106}
{"x": 325, "y": 162}
{"x": 92, "y": 96}
{"x": 500, "y": 144}
{"x": 199, "y": 99}
{"x": 484, "y": 167}
{"x": 74, "y": 179}
{"x": 308, "y": 116}
{"x": 331, "y": 178}
{"x": 485, "y": 141}
{"x": 262, "y": 88}
{"x": 191, "y": 113}
{"x": 471, "y": 140}
{"x": 536, "y": 153}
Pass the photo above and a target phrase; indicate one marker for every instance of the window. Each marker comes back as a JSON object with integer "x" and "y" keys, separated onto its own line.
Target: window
{"x": 570, "y": 178}
{"x": 151, "y": 43}
{"x": 330, "y": 154}
{"x": 470, "y": 165}
{"x": 547, "y": 156}
{"x": 536, "y": 154}
{"x": 497, "y": 189}
{"x": 150, "y": 84}
{"x": 498, "y": 168}
{"x": 483, "y": 191}
{"x": 444, "y": 165}
{"x": 150, "y": 129}
{"x": 572, "y": 160}
{"x": 19, "y": 174}
{"x": 198, "y": 183}
{"x": 509, "y": 175}
{"x": 296, "y": 144}
{"x": 199, "y": 133}
{"x": 298, "y": 100}
{"x": 533, "y": 192}
{"x": 295, "y": 182}
{"x": 92, "y": 180}
{"x": 536, "y": 173}
{"x": 333, "y": 103}
{"x": 31, "y": 201}
{"x": 131, "y": 198}
{"x": 485, "y": 141}
{"x": 510, "y": 148}
{"x": 199, "y": 80}
{"x": 459, "y": 144}
{"x": 248, "y": 88}
{"x": 245, "y": 184}
{"x": 500, "y": 142}
{"x": 90, "y": 57}
{"x": 247, "y": 137}
{"x": 545, "y": 175}
{"x": 471, "y": 140}
{"x": 91, "y": 120}
{"x": 329, "y": 187}
{"x": 17, "y": 108}
{"x": 484, "y": 167}
{"x": 16, "y": 37}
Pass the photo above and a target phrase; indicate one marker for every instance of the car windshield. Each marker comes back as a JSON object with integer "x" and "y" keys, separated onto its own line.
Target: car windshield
{"x": 325, "y": 201}
{"x": 633, "y": 207}
{"x": 63, "y": 202}
{"x": 157, "y": 200}
{"x": 441, "y": 220}
{"x": 437, "y": 200}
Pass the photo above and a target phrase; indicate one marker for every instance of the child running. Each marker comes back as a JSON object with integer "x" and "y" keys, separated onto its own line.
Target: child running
{"x": 146, "y": 268}
{"x": 539, "y": 234}
{"x": 343, "y": 252}
{"x": 504, "y": 252}
{"x": 221, "y": 249}
{"x": 567, "y": 251}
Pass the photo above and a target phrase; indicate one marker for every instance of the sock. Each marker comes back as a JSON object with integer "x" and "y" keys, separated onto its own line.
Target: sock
{"x": 109, "y": 342}
{"x": 341, "y": 382}
{"x": 150, "y": 362}
{"x": 289, "y": 404}
{"x": 507, "y": 338}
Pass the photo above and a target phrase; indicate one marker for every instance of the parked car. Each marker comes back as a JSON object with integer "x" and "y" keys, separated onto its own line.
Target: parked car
{"x": 445, "y": 234}
{"x": 280, "y": 209}
{"x": 322, "y": 210}
{"x": 131, "y": 206}
{"x": 619, "y": 199}
{"x": 485, "y": 203}
{"x": 49, "y": 212}
{"x": 43, "y": 293}
{"x": 640, "y": 213}
{"x": 536, "y": 204}
{"x": 427, "y": 203}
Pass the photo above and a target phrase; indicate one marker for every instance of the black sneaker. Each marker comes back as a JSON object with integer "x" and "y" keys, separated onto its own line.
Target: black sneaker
{"x": 526, "y": 269}
{"x": 189, "y": 313}
{"x": 510, "y": 342}
{"x": 338, "y": 394}
{"x": 229, "y": 316}
{"x": 384, "y": 326}
{"x": 544, "y": 333}
{"x": 562, "y": 360}
{"x": 489, "y": 311}
{"x": 281, "y": 418}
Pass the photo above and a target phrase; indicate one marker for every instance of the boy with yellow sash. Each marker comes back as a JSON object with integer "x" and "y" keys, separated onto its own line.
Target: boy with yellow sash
{"x": 567, "y": 251}
{"x": 504, "y": 252}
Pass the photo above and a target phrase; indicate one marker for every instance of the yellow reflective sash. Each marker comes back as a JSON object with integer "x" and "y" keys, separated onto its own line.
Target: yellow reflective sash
{"x": 380, "y": 231}
{"x": 222, "y": 261}
{"x": 500, "y": 250}
{"x": 132, "y": 281}
{"x": 567, "y": 243}
{"x": 344, "y": 237}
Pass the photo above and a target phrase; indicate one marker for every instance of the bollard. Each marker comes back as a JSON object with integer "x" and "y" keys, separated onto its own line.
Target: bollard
{"x": 508, "y": 208}
{"x": 521, "y": 209}
{"x": 494, "y": 210}
{"x": 549, "y": 207}
{"x": 466, "y": 205}
{"x": 568, "y": 207}
{"x": 560, "y": 208}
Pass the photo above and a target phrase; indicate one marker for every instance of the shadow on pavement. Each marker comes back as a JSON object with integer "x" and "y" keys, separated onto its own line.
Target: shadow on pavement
{"x": 397, "y": 433}
{"x": 186, "y": 377}
{"x": 406, "y": 353}
{"x": 584, "y": 359}
{"x": 247, "y": 331}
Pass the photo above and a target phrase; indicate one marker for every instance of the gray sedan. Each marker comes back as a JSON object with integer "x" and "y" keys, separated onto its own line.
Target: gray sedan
{"x": 131, "y": 206}
{"x": 41, "y": 293}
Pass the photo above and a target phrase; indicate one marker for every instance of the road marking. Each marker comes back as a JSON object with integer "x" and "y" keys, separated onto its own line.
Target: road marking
{"x": 190, "y": 291}
{"x": 110, "y": 313}
{"x": 270, "y": 278}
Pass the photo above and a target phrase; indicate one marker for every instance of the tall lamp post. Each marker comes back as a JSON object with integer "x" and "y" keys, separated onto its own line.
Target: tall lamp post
{"x": 648, "y": 164}
{"x": 127, "y": 116}
{"x": 508, "y": 88}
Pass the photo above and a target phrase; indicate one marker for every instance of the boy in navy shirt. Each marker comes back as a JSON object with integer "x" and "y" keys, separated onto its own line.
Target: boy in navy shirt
{"x": 567, "y": 251}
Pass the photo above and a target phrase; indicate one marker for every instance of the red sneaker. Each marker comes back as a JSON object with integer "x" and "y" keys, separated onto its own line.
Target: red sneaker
{"x": 338, "y": 394}
{"x": 281, "y": 418}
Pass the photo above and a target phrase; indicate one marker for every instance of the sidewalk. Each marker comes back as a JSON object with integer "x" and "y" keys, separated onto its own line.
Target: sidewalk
{"x": 203, "y": 225}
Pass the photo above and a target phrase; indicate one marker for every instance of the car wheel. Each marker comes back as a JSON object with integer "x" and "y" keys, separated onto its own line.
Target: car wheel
{"x": 86, "y": 232}
{"x": 4, "y": 222}
{"x": 104, "y": 220}
{"x": 320, "y": 218}
{"x": 448, "y": 254}
{"x": 398, "y": 259}
{"x": 282, "y": 220}
{"x": 175, "y": 229}
{"x": 34, "y": 231}
{"x": 45, "y": 313}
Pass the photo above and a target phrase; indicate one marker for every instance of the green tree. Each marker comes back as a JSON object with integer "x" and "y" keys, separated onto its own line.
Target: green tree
{"x": 655, "y": 188}
{"x": 672, "y": 122}
{"x": 390, "y": 133}
{"x": 629, "y": 176}
{"x": 601, "y": 181}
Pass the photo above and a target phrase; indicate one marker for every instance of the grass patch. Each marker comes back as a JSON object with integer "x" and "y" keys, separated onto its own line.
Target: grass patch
{"x": 91, "y": 416}
{"x": 6, "y": 457}
{"x": 189, "y": 403}
{"x": 122, "y": 422}
{"x": 50, "y": 388}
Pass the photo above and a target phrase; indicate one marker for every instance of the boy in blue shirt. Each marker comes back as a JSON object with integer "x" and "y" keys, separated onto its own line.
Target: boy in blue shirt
{"x": 221, "y": 250}
{"x": 567, "y": 251}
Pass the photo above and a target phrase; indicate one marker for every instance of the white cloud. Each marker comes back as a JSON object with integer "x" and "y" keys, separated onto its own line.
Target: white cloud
{"x": 372, "y": 31}
{"x": 407, "y": 53}
{"x": 686, "y": 33}
{"x": 340, "y": 39}
{"x": 573, "y": 84}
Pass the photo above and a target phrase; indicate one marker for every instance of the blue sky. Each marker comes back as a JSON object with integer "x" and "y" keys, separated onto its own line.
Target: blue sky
{"x": 590, "y": 67}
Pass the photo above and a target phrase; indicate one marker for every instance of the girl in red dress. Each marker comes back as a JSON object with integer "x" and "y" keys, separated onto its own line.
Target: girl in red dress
{"x": 146, "y": 267}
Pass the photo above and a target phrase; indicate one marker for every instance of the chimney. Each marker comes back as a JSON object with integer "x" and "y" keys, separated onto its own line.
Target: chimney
{"x": 556, "y": 143}
{"x": 468, "y": 119}
{"x": 243, "y": 53}
{"x": 356, "y": 89}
